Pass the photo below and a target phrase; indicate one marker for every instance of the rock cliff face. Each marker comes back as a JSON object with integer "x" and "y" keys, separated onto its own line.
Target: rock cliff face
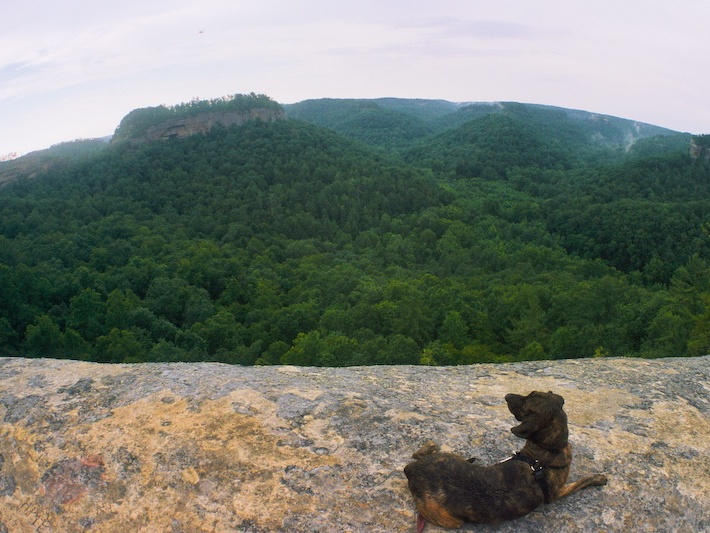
{"x": 700, "y": 147}
{"x": 204, "y": 122}
{"x": 209, "y": 447}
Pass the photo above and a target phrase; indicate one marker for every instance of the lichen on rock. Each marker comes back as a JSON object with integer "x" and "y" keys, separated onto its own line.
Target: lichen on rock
{"x": 210, "y": 447}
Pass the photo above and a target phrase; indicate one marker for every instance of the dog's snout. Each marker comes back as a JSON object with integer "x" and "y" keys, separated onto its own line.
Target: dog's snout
{"x": 515, "y": 404}
{"x": 513, "y": 399}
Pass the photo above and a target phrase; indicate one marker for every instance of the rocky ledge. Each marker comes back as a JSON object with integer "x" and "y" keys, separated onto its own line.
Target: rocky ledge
{"x": 203, "y": 122}
{"x": 209, "y": 447}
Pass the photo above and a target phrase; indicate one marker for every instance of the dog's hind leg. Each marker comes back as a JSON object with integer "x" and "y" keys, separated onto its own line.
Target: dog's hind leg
{"x": 431, "y": 509}
{"x": 591, "y": 481}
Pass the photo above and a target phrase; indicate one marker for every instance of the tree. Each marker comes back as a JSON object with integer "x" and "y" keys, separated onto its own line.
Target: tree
{"x": 570, "y": 342}
{"x": 164, "y": 351}
{"x": 308, "y": 349}
{"x": 478, "y": 353}
{"x": 166, "y": 297}
{"x": 699, "y": 341}
{"x": 528, "y": 327}
{"x": 533, "y": 351}
{"x": 440, "y": 353}
{"x": 8, "y": 336}
{"x": 340, "y": 350}
{"x": 273, "y": 354}
{"x": 74, "y": 346}
{"x": 119, "y": 306}
{"x": 87, "y": 314}
{"x": 119, "y": 345}
{"x": 221, "y": 331}
{"x": 690, "y": 282}
{"x": 398, "y": 350}
{"x": 198, "y": 306}
{"x": 454, "y": 330}
{"x": 44, "y": 338}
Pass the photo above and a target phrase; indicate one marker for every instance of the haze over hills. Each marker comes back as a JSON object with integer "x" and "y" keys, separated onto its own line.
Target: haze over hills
{"x": 406, "y": 120}
{"x": 355, "y": 117}
{"x": 394, "y": 123}
{"x": 343, "y": 232}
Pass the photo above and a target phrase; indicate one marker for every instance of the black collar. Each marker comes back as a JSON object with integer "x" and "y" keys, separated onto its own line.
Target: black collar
{"x": 538, "y": 471}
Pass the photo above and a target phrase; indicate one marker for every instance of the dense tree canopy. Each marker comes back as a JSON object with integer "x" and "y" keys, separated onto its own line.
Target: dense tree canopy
{"x": 511, "y": 237}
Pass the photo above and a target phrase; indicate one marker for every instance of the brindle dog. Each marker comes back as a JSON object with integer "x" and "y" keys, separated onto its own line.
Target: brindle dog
{"x": 449, "y": 490}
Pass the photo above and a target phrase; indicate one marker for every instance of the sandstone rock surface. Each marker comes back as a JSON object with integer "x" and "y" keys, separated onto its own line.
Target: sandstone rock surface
{"x": 700, "y": 148}
{"x": 210, "y": 447}
{"x": 204, "y": 122}
{"x": 192, "y": 124}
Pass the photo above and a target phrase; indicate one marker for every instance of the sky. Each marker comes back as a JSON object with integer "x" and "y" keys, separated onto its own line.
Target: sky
{"x": 72, "y": 69}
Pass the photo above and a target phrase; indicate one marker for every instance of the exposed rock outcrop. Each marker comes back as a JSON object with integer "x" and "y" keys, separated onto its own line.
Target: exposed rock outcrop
{"x": 198, "y": 116}
{"x": 209, "y": 447}
{"x": 203, "y": 122}
{"x": 700, "y": 147}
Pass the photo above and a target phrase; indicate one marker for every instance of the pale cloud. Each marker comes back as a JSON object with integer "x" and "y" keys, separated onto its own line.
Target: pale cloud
{"x": 95, "y": 61}
{"x": 479, "y": 29}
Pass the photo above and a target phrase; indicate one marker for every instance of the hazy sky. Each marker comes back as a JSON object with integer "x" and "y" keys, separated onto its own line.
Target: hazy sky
{"x": 73, "y": 68}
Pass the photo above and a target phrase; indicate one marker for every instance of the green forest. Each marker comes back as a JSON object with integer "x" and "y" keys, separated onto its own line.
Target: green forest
{"x": 362, "y": 233}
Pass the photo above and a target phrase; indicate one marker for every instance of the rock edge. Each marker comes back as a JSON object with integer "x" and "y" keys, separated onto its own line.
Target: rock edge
{"x": 211, "y": 447}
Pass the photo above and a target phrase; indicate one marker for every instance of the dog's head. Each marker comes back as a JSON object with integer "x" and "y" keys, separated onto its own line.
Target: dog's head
{"x": 542, "y": 418}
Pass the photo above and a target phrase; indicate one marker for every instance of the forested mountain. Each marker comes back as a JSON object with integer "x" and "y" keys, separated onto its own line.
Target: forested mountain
{"x": 400, "y": 124}
{"x": 383, "y": 232}
{"x": 396, "y": 126}
{"x": 59, "y": 155}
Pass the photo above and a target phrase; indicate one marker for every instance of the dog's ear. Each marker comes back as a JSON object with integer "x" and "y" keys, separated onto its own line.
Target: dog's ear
{"x": 559, "y": 400}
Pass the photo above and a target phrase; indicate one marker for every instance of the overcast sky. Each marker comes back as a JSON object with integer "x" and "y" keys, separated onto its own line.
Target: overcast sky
{"x": 73, "y": 68}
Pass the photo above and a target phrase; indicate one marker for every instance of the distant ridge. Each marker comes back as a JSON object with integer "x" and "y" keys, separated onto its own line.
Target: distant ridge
{"x": 356, "y": 118}
{"x": 9, "y": 157}
{"x": 402, "y": 121}
{"x": 29, "y": 165}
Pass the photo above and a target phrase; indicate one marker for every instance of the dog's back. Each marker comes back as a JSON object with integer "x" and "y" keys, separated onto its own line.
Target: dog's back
{"x": 450, "y": 490}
